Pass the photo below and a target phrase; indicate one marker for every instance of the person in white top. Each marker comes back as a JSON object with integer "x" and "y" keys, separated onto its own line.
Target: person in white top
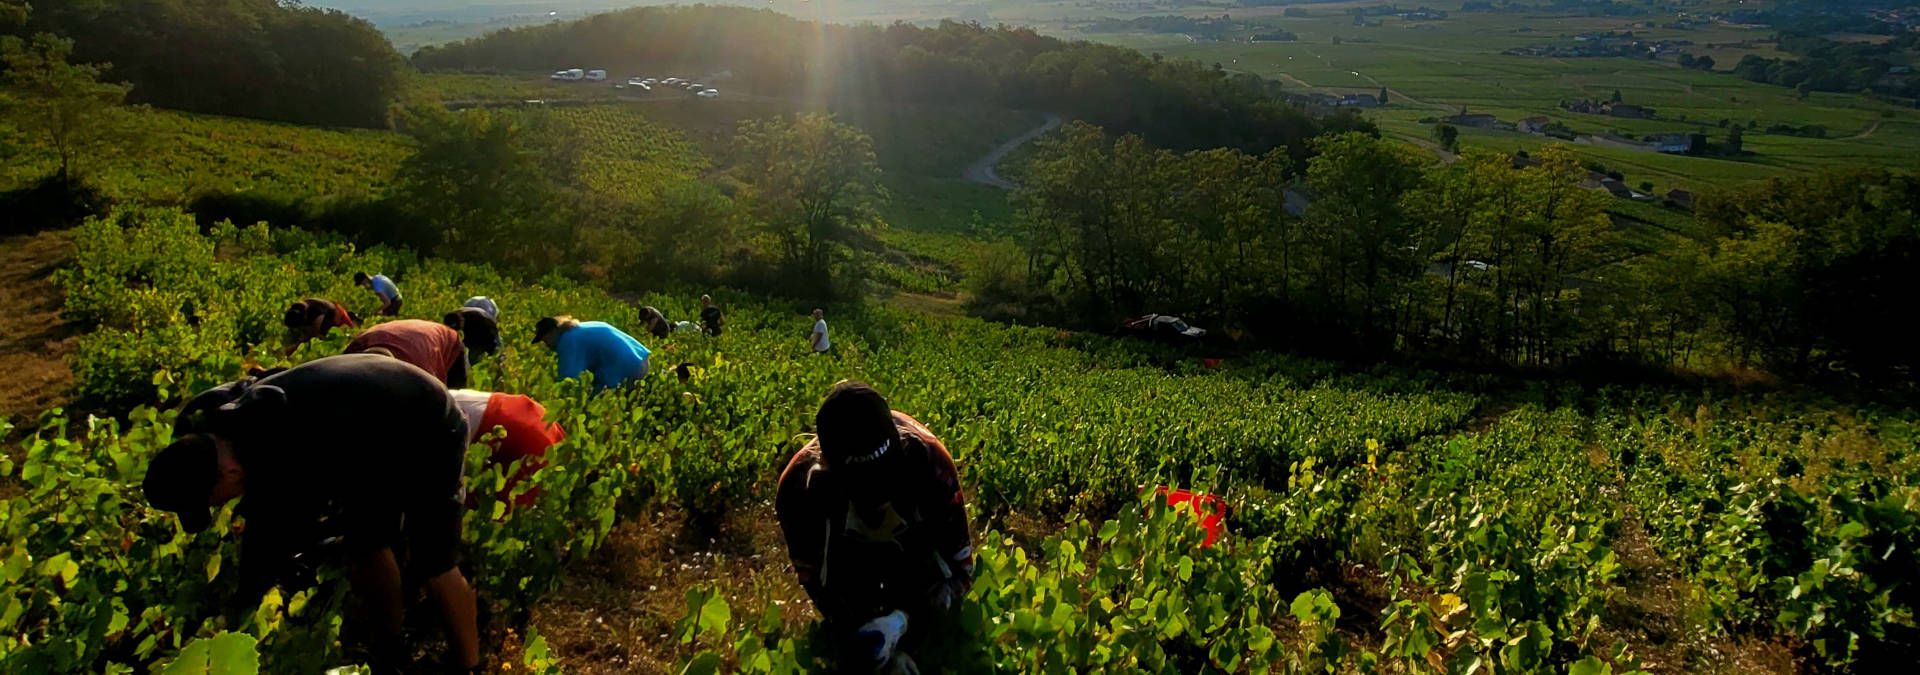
{"x": 820, "y": 342}
{"x": 484, "y": 304}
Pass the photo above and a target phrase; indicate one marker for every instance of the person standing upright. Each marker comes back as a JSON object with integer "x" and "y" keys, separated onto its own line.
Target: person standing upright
{"x": 818, "y": 339}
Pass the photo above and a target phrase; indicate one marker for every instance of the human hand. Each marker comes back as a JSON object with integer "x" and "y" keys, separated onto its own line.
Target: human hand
{"x": 878, "y": 638}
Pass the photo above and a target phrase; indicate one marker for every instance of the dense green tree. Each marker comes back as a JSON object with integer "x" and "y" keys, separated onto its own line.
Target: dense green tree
{"x": 253, "y": 58}
{"x": 1813, "y": 274}
{"x": 1120, "y": 227}
{"x": 813, "y": 184}
{"x": 62, "y": 104}
{"x": 13, "y": 13}
{"x": 1448, "y": 136}
{"x": 1367, "y": 246}
{"x": 489, "y": 183}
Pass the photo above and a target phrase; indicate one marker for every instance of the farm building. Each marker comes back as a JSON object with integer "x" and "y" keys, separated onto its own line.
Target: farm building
{"x": 1479, "y": 120}
{"x": 1630, "y": 110}
{"x": 1617, "y": 188}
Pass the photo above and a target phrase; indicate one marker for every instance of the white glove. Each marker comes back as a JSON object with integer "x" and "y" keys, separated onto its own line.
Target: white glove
{"x": 883, "y": 634}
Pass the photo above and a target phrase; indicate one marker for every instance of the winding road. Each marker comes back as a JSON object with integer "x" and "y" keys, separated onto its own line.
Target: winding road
{"x": 982, "y": 170}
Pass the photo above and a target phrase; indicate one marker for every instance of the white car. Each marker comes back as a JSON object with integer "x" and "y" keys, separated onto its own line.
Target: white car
{"x": 708, "y": 93}
{"x": 635, "y": 82}
{"x": 596, "y": 75}
{"x": 569, "y": 75}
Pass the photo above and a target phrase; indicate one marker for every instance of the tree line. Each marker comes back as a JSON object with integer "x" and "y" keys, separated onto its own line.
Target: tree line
{"x": 250, "y": 58}
{"x": 1829, "y": 65}
{"x": 1491, "y": 258}
{"x": 1174, "y": 103}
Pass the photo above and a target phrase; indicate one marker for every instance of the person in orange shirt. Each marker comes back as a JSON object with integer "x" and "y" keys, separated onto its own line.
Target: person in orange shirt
{"x": 426, "y": 345}
{"x": 527, "y": 433}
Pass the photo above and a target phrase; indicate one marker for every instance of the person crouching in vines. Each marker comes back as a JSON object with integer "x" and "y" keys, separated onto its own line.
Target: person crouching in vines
{"x": 876, "y": 526}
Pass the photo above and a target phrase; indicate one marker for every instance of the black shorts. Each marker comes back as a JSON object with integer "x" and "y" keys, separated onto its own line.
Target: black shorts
{"x": 420, "y": 520}
{"x": 424, "y": 535}
{"x": 393, "y": 308}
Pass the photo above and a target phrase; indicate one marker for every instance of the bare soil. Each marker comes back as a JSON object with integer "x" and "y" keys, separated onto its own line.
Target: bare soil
{"x": 34, "y": 342}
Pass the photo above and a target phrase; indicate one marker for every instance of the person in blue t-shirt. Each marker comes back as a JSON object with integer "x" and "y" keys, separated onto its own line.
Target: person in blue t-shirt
{"x": 383, "y": 287}
{"x": 613, "y": 356}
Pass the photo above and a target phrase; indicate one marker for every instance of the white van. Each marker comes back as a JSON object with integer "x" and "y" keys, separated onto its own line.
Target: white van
{"x": 596, "y": 75}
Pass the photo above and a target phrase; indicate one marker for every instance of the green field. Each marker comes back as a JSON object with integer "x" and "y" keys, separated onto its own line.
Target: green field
{"x": 1438, "y": 68}
{"x": 1462, "y": 519}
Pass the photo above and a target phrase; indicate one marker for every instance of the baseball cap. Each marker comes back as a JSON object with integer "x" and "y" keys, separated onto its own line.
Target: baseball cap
{"x": 181, "y": 479}
{"x": 855, "y": 425}
{"x": 546, "y": 325}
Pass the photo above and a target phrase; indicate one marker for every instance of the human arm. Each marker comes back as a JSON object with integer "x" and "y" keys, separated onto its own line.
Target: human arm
{"x": 803, "y": 527}
{"x": 457, "y": 371}
{"x": 572, "y": 359}
{"x": 949, "y": 533}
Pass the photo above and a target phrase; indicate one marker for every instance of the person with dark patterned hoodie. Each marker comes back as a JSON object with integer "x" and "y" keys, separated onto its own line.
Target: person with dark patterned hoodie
{"x": 876, "y": 526}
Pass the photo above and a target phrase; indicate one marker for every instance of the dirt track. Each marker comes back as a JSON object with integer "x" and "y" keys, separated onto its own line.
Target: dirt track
{"x": 981, "y": 171}
{"x": 33, "y": 341}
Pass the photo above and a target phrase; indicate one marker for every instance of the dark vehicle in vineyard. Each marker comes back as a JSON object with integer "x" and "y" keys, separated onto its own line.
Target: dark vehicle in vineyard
{"x": 1164, "y": 328}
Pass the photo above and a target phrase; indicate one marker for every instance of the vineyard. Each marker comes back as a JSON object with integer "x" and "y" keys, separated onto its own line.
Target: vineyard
{"x": 1380, "y": 520}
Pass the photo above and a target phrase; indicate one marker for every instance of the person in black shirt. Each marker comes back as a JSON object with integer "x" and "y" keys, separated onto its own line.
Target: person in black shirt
{"x": 655, "y": 321}
{"x": 709, "y": 316}
{"x": 477, "y": 329}
{"x": 313, "y": 318}
{"x": 390, "y": 482}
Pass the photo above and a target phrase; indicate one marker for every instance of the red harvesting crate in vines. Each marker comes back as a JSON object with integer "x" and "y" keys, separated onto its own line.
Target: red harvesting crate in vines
{"x": 1206, "y": 508}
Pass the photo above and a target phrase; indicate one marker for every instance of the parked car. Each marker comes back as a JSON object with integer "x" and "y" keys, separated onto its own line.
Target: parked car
{"x": 569, "y": 75}
{"x": 596, "y": 75}
{"x": 634, "y": 81}
{"x": 708, "y": 93}
{"x": 1165, "y": 328}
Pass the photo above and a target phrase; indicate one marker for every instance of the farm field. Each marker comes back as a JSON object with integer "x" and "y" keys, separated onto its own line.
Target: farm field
{"x": 629, "y": 147}
{"x": 1439, "y": 68}
{"x": 1379, "y": 518}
